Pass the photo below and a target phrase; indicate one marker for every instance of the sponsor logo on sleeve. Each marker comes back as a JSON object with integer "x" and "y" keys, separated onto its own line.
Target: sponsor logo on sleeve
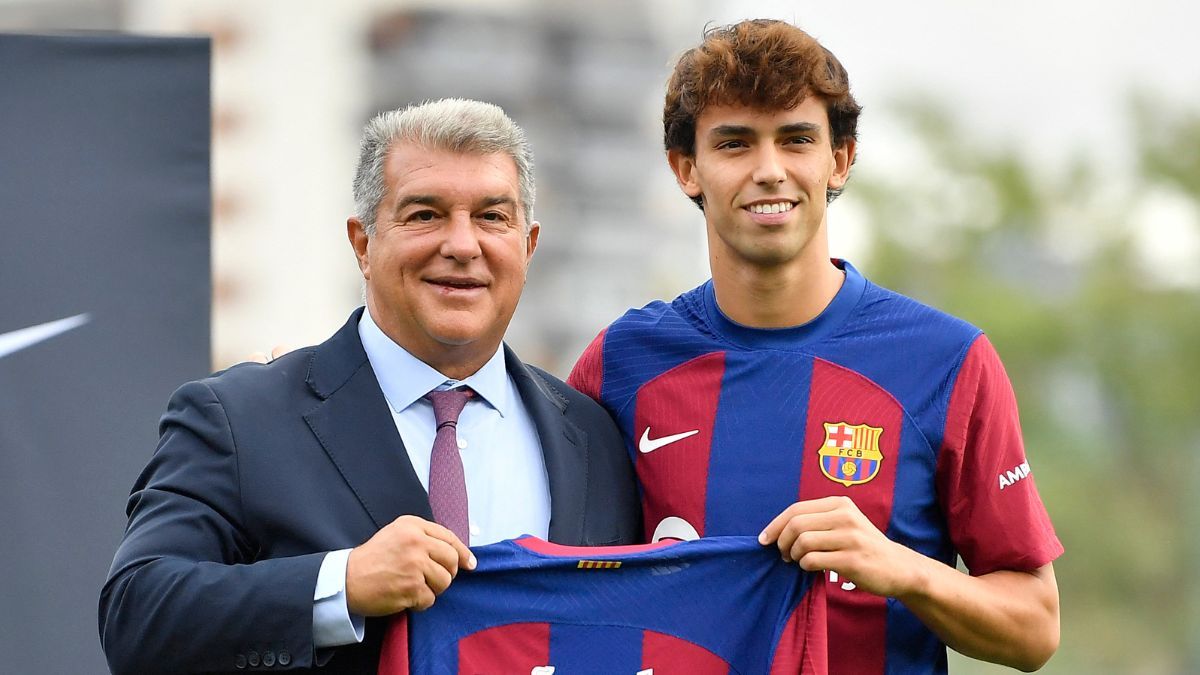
{"x": 1018, "y": 472}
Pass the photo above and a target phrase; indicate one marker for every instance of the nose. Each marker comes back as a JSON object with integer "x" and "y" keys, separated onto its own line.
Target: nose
{"x": 461, "y": 239}
{"x": 768, "y": 170}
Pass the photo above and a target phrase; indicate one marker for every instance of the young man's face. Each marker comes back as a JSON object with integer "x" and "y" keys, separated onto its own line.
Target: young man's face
{"x": 763, "y": 177}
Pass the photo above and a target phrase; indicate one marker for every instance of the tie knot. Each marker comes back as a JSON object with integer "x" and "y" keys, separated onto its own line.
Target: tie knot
{"x": 448, "y": 404}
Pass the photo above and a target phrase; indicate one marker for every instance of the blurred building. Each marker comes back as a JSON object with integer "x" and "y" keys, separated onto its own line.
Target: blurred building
{"x": 293, "y": 82}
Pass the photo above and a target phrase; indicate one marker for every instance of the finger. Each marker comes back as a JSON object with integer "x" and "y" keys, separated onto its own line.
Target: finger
{"x": 279, "y": 350}
{"x": 257, "y": 357}
{"x": 771, "y": 532}
{"x": 815, "y": 541}
{"x": 437, "y": 578}
{"x": 423, "y": 598}
{"x": 809, "y": 506}
{"x": 786, "y": 539}
{"x": 443, "y": 555}
{"x": 466, "y": 559}
{"x": 821, "y": 560}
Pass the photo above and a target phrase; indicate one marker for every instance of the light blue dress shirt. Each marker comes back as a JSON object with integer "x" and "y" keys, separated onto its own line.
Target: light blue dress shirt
{"x": 508, "y": 493}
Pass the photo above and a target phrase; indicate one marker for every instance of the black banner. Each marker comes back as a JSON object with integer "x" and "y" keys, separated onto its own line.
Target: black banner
{"x": 104, "y": 309}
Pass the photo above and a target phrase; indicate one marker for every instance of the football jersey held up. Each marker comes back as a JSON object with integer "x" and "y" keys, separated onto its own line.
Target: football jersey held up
{"x": 719, "y": 606}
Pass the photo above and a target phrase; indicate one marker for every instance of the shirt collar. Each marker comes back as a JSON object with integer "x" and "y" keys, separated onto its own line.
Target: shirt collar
{"x": 404, "y": 378}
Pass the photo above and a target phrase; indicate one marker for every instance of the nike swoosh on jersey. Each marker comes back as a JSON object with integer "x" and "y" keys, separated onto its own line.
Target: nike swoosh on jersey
{"x": 648, "y": 444}
{"x": 15, "y": 341}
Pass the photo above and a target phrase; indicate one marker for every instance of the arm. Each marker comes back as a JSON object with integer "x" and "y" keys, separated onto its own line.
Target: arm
{"x": 191, "y": 589}
{"x": 185, "y": 592}
{"x": 1007, "y": 617}
{"x": 1007, "y": 611}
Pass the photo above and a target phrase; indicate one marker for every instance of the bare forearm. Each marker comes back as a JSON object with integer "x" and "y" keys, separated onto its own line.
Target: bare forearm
{"x": 1004, "y": 617}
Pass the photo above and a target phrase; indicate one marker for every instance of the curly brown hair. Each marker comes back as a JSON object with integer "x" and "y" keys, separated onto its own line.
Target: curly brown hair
{"x": 760, "y": 63}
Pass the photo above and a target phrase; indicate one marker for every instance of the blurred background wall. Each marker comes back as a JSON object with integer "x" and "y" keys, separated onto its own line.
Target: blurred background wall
{"x": 1031, "y": 166}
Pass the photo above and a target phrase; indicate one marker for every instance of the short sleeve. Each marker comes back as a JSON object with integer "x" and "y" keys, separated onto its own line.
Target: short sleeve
{"x": 588, "y": 373}
{"x": 985, "y": 485}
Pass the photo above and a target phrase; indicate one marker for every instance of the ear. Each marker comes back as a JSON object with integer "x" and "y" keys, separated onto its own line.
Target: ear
{"x": 843, "y": 159}
{"x": 531, "y": 240}
{"x": 685, "y": 172}
{"x": 360, "y": 242}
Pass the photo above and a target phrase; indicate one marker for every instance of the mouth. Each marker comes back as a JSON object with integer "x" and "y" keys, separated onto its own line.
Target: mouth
{"x": 770, "y": 207}
{"x": 456, "y": 284}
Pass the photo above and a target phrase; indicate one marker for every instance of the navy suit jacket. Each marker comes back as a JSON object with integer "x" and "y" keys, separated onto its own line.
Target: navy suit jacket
{"x": 262, "y": 469}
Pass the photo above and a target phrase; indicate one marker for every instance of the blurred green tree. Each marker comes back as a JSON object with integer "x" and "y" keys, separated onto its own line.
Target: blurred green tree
{"x": 1093, "y": 303}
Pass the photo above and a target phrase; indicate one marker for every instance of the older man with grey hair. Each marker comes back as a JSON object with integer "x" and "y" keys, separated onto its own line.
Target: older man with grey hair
{"x": 289, "y": 502}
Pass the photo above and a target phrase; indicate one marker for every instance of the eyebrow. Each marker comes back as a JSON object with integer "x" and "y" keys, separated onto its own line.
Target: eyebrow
{"x": 425, "y": 200}
{"x": 725, "y": 130}
{"x": 433, "y": 200}
{"x": 736, "y": 130}
{"x": 800, "y": 128}
{"x": 497, "y": 201}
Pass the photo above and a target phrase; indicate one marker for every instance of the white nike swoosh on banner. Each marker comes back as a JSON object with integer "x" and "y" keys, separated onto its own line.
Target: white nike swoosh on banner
{"x": 648, "y": 444}
{"x": 23, "y": 338}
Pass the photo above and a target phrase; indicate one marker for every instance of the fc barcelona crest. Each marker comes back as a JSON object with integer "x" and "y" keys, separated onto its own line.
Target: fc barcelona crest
{"x": 850, "y": 454}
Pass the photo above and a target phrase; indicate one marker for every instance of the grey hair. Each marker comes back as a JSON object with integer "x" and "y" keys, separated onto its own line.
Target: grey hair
{"x": 453, "y": 124}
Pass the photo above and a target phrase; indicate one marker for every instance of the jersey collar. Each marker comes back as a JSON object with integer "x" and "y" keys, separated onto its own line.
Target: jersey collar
{"x": 791, "y": 337}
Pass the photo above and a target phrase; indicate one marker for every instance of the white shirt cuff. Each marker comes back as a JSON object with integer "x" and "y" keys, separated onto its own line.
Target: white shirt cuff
{"x": 333, "y": 624}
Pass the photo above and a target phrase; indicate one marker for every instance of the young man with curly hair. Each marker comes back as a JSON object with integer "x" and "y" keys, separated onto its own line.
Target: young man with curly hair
{"x": 857, "y": 430}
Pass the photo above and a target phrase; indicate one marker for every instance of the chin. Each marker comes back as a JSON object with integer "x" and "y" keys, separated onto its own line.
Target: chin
{"x": 455, "y": 338}
{"x": 769, "y": 257}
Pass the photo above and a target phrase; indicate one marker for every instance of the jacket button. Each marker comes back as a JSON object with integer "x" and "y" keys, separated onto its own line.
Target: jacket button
{"x": 252, "y": 659}
{"x": 240, "y": 661}
{"x": 268, "y": 658}
{"x": 285, "y": 657}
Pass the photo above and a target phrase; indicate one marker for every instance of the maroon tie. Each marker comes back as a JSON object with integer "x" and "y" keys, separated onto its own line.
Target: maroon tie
{"x": 447, "y": 482}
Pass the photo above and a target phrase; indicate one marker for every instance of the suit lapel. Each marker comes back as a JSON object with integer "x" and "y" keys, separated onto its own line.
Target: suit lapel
{"x": 564, "y": 447}
{"x": 355, "y": 427}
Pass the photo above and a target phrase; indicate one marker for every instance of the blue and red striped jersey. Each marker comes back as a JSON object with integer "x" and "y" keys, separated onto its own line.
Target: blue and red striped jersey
{"x": 719, "y": 606}
{"x": 902, "y": 408}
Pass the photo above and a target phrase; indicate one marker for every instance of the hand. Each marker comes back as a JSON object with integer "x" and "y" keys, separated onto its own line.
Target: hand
{"x": 276, "y": 352}
{"x": 404, "y": 566}
{"x": 832, "y": 534}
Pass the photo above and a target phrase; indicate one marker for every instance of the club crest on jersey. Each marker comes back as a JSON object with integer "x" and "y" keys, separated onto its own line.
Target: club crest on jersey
{"x": 850, "y": 454}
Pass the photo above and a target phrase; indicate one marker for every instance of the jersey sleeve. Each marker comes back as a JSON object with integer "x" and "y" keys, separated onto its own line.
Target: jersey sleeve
{"x": 995, "y": 516}
{"x": 588, "y": 374}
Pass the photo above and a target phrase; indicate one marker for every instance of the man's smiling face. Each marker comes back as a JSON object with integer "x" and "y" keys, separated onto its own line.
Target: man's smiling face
{"x": 763, "y": 176}
{"x": 447, "y": 262}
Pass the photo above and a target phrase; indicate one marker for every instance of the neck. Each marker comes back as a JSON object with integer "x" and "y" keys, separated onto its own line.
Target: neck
{"x": 775, "y": 296}
{"x": 455, "y": 363}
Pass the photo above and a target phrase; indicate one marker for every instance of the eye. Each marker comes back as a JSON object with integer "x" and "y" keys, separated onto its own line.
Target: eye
{"x": 423, "y": 216}
{"x": 801, "y": 140}
{"x": 731, "y": 145}
{"x": 494, "y": 217}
